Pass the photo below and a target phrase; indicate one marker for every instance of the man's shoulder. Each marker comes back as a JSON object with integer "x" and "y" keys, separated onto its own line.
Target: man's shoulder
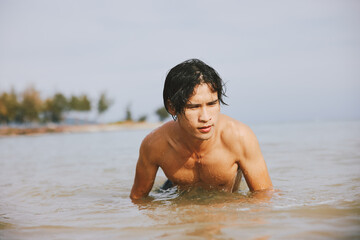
{"x": 231, "y": 126}
{"x": 157, "y": 138}
{"x": 233, "y": 130}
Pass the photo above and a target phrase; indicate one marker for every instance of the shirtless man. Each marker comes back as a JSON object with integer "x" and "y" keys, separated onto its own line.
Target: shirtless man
{"x": 202, "y": 147}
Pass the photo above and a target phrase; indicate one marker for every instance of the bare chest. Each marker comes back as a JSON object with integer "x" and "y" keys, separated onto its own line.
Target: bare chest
{"x": 216, "y": 169}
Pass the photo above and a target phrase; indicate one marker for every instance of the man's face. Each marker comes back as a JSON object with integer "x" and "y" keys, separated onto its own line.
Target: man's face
{"x": 201, "y": 113}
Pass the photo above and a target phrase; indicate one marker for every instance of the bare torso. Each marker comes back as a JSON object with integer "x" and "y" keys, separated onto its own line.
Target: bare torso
{"x": 218, "y": 164}
{"x": 217, "y": 167}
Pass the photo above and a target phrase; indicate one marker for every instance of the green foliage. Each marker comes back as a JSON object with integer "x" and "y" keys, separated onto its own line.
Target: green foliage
{"x": 9, "y": 107}
{"x": 26, "y": 110}
{"x": 104, "y": 103}
{"x": 162, "y": 113}
{"x": 128, "y": 113}
{"x": 31, "y": 105}
{"x": 142, "y": 118}
{"x": 85, "y": 104}
{"x": 55, "y": 107}
{"x": 81, "y": 103}
{"x": 31, "y": 108}
{"x": 60, "y": 102}
{"x": 74, "y": 103}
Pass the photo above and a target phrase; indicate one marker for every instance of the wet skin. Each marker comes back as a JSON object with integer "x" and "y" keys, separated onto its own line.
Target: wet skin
{"x": 203, "y": 148}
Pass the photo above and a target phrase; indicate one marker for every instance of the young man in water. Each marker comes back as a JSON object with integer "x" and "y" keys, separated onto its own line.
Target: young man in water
{"x": 202, "y": 147}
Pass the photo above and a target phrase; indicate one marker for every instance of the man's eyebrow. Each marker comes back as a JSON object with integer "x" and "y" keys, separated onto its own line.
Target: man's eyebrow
{"x": 192, "y": 104}
{"x": 213, "y": 102}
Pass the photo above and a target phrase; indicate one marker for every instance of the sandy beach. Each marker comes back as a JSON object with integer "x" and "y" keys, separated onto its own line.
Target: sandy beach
{"x": 53, "y": 128}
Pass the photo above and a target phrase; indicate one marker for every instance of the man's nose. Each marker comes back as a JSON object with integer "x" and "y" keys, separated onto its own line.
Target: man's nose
{"x": 204, "y": 115}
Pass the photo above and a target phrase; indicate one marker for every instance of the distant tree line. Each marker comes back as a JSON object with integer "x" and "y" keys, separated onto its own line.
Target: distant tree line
{"x": 160, "y": 112}
{"x": 29, "y": 107}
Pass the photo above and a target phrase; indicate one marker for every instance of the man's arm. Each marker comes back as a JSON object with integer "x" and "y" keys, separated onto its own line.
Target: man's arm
{"x": 144, "y": 176}
{"x": 253, "y": 164}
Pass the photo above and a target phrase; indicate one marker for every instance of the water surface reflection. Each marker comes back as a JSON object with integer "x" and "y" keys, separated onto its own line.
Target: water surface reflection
{"x": 76, "y": 186}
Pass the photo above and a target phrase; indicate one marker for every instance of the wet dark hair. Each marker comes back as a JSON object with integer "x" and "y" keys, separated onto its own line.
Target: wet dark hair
{"x": 184, "y": 77}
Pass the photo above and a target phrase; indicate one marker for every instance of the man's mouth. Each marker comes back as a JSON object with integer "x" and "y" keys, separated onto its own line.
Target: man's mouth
{"x": 205, "y": 129}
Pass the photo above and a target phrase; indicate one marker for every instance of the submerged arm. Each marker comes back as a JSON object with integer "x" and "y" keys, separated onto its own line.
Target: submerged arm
{"x": 253, "y": 165}
{"x": 144, "y": 176}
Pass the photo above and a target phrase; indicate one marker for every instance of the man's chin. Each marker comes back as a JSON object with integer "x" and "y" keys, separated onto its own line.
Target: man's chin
{"x": 204, "y": 136}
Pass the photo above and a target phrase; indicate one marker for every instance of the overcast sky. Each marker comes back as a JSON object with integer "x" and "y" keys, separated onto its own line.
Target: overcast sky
{"x": 281, "y": 60}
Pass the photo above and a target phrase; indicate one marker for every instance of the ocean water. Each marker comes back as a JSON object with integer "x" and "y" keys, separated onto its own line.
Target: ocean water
{"x": 76, "y": 186}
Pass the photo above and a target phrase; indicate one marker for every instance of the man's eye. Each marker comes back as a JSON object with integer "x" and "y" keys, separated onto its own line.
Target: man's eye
{"x": 192, "y": 107}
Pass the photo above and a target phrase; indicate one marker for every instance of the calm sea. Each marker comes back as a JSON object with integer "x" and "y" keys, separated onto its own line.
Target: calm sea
{"x": 76, "y": 186}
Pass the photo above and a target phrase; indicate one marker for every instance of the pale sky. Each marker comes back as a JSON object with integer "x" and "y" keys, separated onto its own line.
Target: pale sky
{"x": 281, "y": 60}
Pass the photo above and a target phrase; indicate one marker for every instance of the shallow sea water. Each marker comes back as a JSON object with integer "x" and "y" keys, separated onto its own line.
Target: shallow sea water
{"x": 76, "y": 186}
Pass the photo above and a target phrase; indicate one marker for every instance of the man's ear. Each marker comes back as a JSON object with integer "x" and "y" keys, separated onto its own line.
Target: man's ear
{"x": 170, "y": 108}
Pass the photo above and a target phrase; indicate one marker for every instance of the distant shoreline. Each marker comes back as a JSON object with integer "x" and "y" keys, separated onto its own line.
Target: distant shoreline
{"x": 53, "y": 128}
